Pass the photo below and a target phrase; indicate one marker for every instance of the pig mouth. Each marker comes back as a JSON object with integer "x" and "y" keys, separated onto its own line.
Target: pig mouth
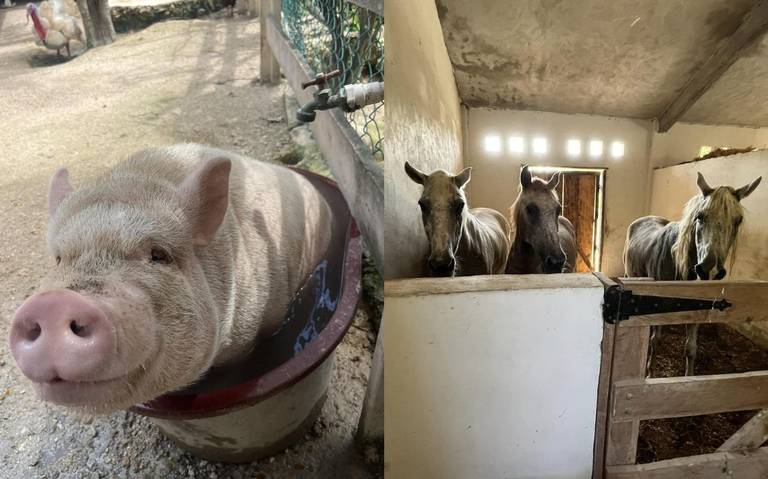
{"x": 81, "y": 393}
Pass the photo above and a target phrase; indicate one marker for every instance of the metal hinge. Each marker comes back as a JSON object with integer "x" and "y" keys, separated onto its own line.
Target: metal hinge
{"x": 619, "y": 304}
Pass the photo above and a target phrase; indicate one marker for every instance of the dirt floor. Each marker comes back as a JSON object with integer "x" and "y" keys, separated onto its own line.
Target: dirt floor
{"x": 721, "y": 350}
{"x": 176, "y": 81}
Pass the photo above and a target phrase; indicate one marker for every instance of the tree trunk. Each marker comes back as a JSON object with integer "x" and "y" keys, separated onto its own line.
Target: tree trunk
{"x": 97, "y": 22}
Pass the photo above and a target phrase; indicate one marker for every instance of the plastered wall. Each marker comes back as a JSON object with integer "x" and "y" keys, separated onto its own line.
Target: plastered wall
{"x": 674, "y": 185}
{"x": 682, "y": 142}
{"x": 495, "y": 177}
{"x": 424, "y": 126}
{"x": 508, "y": 396}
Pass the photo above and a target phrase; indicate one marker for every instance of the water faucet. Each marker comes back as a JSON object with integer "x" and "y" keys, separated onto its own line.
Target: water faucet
{"x": 350, "y": 97}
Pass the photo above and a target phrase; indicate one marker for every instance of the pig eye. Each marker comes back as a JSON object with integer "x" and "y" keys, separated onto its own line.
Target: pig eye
{"x": 159, "y": 255}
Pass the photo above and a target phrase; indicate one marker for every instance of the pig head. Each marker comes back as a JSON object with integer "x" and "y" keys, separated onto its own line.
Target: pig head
{"x": 176, "y": 260}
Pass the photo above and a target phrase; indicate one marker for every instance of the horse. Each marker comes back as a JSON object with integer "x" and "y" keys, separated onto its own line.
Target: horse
{"x": 462, "y": 241}
{"x": 544, "y": 241}
{"x": 694, "y": 247}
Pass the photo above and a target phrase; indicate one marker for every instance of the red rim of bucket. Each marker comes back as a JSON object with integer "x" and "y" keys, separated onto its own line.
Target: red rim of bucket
{"x": 298, "y": 367}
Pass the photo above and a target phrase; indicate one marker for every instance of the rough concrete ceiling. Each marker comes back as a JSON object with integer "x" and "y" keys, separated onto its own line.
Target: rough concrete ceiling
{"x": 740, "y": 96}
{"x": 624, "y": 58}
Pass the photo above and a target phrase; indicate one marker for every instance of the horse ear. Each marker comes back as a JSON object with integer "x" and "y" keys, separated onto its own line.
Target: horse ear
{"x": 462, "y": 178}
{"x": 553, "y": 181}
{"x": 415, "y": 174}
{"x": 747, "y": 190}
{"x": 525, "y": 177}
{"x": 703, "y": 186}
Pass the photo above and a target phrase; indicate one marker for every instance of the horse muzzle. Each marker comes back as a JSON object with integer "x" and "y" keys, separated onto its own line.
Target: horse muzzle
{"x": 554, "y": 264}
{"x": 442, "y": 268}
{"x": 703, "y": 274}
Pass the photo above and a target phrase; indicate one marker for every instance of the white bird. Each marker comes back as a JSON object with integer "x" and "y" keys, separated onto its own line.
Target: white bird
{"x": 53, "y": 30}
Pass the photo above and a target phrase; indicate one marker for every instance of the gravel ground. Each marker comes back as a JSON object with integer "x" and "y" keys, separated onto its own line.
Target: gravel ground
{"x": 173, "y": 82}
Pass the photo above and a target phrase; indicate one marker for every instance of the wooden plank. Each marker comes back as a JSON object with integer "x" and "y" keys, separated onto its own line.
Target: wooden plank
{"x": 603, "y": 397}
{"x": 603, "y": 389}
{"x": 370, "y": 428}
{"x": 725, "y": 465}
{"x": 360, "y": 177}
{"x": 269, "y": 68}
{"x": 751, "y": 435}
{"x": 579, "y": 196}
{"x": 629, "y": 364}
{"x": 498, "y": 282}
{"x": 659, "y": 398}
{"x": 728, "y": 50}
{"x": 749, "y": 301}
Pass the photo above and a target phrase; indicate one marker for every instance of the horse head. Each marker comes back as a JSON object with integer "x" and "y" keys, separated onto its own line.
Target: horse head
{"x": 536, "y": 215}
{"x": 443, "y": 207}
{"x": 709, "y": 229}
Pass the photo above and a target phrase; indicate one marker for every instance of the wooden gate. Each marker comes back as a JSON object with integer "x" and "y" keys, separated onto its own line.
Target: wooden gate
{"x": 627, "y": 397}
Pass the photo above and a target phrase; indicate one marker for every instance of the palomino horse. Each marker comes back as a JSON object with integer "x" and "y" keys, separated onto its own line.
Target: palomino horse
{"x": 544, "y": 241}
{"x": 462, "y": 241}
{"x": 692, "y": 248}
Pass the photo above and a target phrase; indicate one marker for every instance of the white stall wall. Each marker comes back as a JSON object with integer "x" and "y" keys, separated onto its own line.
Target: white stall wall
{"x": 683, "y": 141}
{"x": 495, "y": 377}
{"x": 495, "y": 177}
{"x": 675, "y": 185}
{"x": 427, "y": 132}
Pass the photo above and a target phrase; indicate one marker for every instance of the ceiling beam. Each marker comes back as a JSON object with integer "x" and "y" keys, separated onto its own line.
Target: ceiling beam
{"x": 753, "y": 26}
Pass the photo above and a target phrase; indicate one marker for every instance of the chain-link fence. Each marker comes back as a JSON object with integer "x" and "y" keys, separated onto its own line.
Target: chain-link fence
{"x": 340, "y": 35}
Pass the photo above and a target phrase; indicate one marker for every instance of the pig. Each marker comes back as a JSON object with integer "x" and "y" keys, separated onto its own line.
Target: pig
{"x": 176, "y": 260}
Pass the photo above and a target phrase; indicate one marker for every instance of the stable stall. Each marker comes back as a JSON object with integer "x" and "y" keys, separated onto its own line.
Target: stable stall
{"x": 552, "y": 373}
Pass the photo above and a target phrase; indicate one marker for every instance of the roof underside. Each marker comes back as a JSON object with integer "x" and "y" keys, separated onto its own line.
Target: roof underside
{"x": 608, "y": 57}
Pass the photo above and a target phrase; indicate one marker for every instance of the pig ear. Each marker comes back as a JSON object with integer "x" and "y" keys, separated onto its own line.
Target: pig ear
{"x": 747, "y": 190}
{"x": 205, "y": 196}
{"x": 58, "y": 189}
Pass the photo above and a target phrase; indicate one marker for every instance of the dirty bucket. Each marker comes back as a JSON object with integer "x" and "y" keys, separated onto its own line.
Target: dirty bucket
{"x": 266, "y": 402}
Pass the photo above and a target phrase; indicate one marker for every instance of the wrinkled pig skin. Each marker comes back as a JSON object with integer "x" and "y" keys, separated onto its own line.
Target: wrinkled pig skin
{"x": 175, "y": 260}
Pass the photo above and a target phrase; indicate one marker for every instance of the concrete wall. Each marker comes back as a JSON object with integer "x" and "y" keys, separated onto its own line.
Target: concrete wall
{"x": 682, "y": 142}
{"x": 510, "y": 396}
{"x": 674, "y": 185}
{"x": 495, "y": 177}
{"x": 424, "y": 126}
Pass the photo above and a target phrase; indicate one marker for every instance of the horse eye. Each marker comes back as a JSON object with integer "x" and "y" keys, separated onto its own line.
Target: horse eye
{"x": 58, "y": 260}
{"x": 159, "y": 255}
{"x": 424, "y": 205}
{"x": 532, "y": 210}
{"x": 559, "y": 211}
{"x": 738, "y": 221}
{"x": 700, "y": 218}
{"x": 458, "y": 207}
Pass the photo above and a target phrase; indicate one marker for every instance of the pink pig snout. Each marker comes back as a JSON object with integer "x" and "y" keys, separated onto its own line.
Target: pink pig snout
{"x": 61, "y": 335}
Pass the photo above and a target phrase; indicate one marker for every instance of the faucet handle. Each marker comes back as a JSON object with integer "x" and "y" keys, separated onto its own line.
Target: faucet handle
{"x": 321, "y": 79}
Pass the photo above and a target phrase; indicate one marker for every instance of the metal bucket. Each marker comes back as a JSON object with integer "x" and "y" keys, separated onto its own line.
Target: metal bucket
{"x": 266, "y": 402}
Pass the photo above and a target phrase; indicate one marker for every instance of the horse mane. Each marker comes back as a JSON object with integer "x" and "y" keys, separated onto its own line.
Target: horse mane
{"x": 477, "y": 236}
{"x": 722, "y": 202}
